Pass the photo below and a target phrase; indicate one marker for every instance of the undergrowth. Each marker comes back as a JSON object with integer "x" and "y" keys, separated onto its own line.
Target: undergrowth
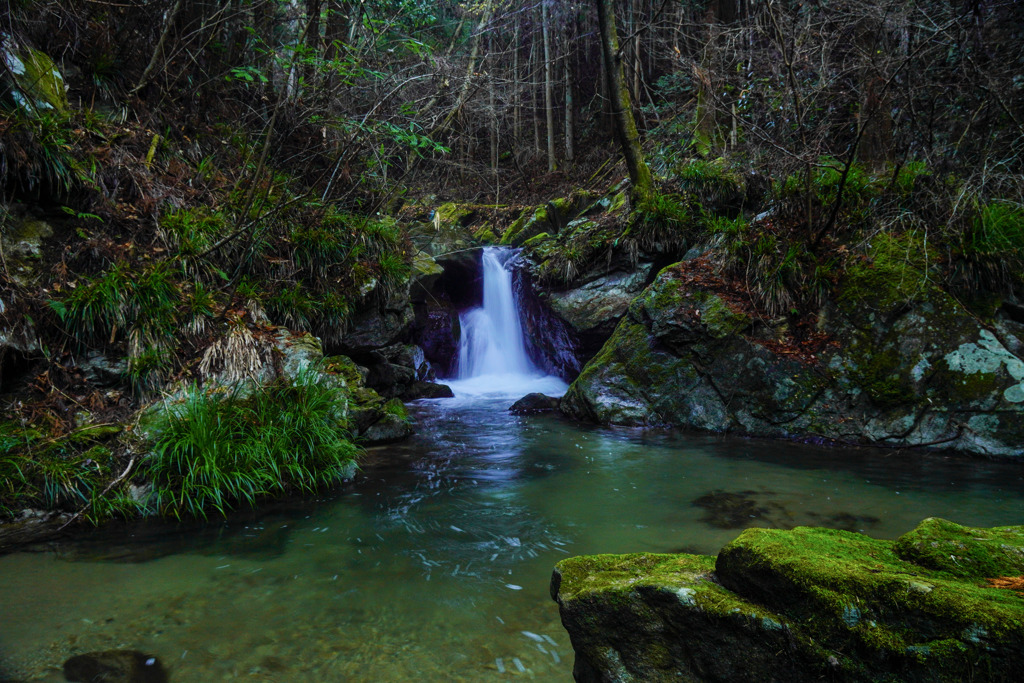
{"x": 216, "y": 451}
{"x": 68, "y": 472}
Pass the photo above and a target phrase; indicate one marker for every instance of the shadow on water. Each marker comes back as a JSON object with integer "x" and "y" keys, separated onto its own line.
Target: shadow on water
{"x": 261, "y": 534}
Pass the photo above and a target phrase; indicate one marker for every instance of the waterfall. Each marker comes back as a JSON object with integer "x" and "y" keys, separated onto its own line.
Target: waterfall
{"x": 492, "y": 352}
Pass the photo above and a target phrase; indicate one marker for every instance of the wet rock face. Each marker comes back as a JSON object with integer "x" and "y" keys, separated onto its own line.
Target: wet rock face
{"x": 379, "y": 326}
{"x": 420, "y": 390}
{"x": 594, "y": 308}
{"x": 902, "y": 372}
{"x": 801, "y": 605}
{"x": 382, "y": 428}
{"x": 115, "y": 666}
{"x": 550, "y": 341}
{"x": 437, "y": 331}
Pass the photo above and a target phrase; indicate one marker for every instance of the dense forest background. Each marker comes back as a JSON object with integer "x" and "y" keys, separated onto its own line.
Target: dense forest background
{"x": 217, "y": 168}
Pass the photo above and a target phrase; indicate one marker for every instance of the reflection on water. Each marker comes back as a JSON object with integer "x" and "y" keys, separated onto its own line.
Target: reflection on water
{"x": 434, "y": 565}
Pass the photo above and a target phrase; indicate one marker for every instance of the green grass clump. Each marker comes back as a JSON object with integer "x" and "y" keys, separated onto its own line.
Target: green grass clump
{"x": 988, "y": 253}
{"x": 213, "y": 451}
{"x": 194, "y": 230}
{"x": 108, "y": 305}
{"x": 906, "y": 177}
{"x": 713, "y": 181}
{"x": 664, "y": 223}
{"x": 54, "y": 473}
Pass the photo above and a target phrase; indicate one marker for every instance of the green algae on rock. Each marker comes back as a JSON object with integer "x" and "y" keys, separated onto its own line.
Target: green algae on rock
{"x": 800, "y": 605}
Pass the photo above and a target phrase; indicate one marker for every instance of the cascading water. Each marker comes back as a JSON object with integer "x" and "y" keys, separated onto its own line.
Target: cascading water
{"x": 492, "y": 352}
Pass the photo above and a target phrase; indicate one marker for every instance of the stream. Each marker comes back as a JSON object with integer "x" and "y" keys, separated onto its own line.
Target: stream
{"x": 434, "y": 563}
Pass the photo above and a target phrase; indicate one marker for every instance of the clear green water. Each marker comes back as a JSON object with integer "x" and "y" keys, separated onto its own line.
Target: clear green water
{"x": 434, "y": 564}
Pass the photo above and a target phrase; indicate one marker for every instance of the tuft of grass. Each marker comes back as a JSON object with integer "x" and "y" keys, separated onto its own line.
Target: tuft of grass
{"x": 713, "y": 181}
{"x": 293, "y": 305}
{"x": 907, "y": 176}
{"x": 990, "y": 256}
{"x": 394, "y": 270}
{"x": 53, "y": 473}
{"x": 663, "y": 224}
{"x": 101, "y": 308}
{"x": 216, "y": 451}
{"x": 37, "y": 153}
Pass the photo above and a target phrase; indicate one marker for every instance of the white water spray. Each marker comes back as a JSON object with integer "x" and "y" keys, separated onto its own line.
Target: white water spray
{"x": 492, "y": 351}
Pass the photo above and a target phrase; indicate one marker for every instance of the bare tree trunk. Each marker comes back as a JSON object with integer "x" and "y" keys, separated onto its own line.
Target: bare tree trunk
{"x": 474, "y": 55}
{"x": 310, "y": 72}
{"x": 517, "y": 96}
{"x": 491, "y": 108}
{"x": 534, "y": 59}
{"x": 636, "y": 53}
{"x": 570, "y": 147}
{"x": 549, "y": 109}
{"x": 622, "y": 111}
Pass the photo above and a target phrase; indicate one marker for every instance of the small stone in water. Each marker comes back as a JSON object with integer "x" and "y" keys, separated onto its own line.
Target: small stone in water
{"x": 115, "y": 666}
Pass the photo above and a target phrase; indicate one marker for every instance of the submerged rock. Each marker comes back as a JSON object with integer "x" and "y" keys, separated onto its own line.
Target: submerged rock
{"x": 115, "y": 666}
{"x": 800, "y": 605}
{"x": 534, "y": 403}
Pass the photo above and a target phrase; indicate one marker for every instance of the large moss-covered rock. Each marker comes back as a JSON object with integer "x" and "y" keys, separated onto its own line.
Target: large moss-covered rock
{"x": 906, "y": 365}
{"x": 577, "y": 279}
{"x": 800, "y": 605}
{"x": 649, "y": 617}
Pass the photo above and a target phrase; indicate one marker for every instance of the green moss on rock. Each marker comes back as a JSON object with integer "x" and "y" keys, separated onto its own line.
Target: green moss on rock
{"x": 894, "y": 273}
{"x": 845, "y": 606}
{"x": 526, "y": 226}
{"x": 485, "y": 235}
{"x": 962, "y": 551}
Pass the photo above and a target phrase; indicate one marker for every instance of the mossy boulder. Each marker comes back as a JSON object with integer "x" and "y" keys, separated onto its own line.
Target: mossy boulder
{"x": 531, "y": 222}
{"x": 38, "y": 84}
{"x": 425, "y": 272}
{"x": 22, "y": 242}
{"x": 799, "y": 605}
{"x": 904, "y": 364}
{"x": 373, "y": 419}
{"x": 649, "y": 617}
{"x": 448, "y": 230}
{"x": 548, "y": 218}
